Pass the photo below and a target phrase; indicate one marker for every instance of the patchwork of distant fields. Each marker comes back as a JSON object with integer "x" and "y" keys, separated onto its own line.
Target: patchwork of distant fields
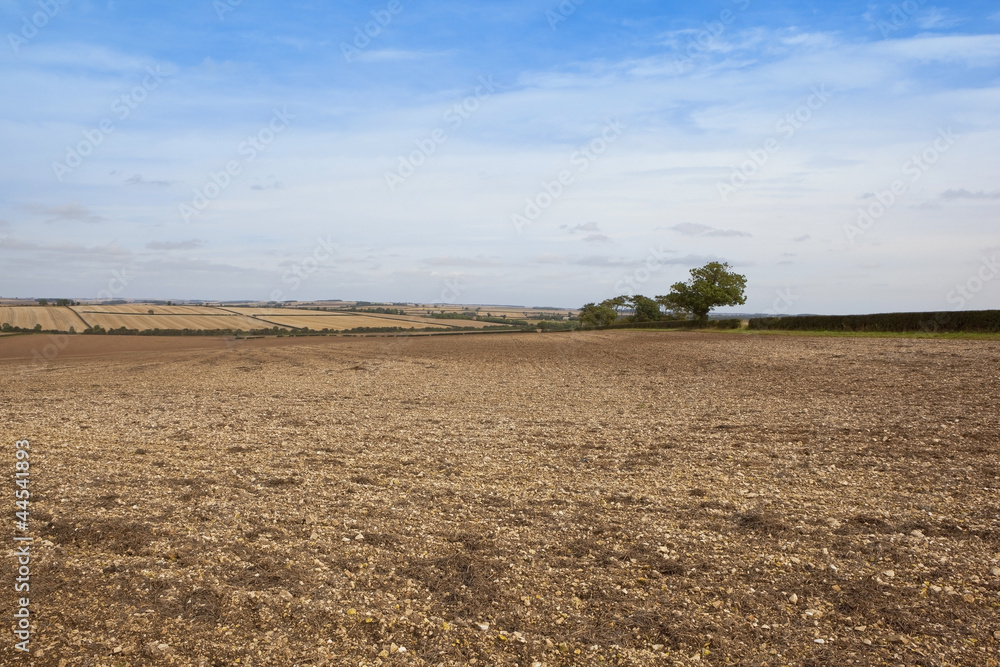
{"x": 146, "y": 317}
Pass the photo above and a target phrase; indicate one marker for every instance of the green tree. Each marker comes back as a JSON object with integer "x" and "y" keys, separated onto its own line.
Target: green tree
{"x": 646, "y": 309}
{"x": 712, "y": 285}
{"x": 619, "y": 303}
{"x": 43, "y": 302}
{"x": 598, "y": 315}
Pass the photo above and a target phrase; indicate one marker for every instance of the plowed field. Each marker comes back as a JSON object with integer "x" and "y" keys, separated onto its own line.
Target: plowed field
{"x": 609, "y": 498}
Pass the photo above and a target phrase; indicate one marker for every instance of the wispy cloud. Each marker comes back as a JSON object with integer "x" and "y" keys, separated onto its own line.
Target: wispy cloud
{"x": 192, "y": 244}
{"x": 72, "y": 212}
{"x": 934, "y": 18}
{"x": 109, "y": 252}
{"x": 272, "y": 183}
{"x": 698, "y": 229}
{"x": 583, "y": 227}
{"x": 139, "y": 180}
{"x": 394, "y": 55}
{"x": 469, "y": 262}
{"x": 950, "y": 195}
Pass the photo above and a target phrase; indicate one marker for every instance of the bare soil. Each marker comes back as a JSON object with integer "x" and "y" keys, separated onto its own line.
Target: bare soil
{"x": 619, "y": 498}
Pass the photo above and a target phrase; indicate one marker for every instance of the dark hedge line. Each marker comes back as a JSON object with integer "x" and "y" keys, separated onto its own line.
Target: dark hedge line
{"x": 680, "y": 324}
{"x": 6, "y": 327}
{"x": 122, "y": 331}
{"x": 971, "y": 321}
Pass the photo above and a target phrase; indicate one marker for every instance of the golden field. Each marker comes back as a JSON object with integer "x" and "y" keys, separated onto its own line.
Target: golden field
{"x": 144, "y": 308}
{"x": 351, "y": 321}
{"x": 144, "y": 322}
{"x": 58, "y": 318}
{"x": 136, "y": 316}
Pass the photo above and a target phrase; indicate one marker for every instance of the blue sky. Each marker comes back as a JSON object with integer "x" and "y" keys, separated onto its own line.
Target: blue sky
{"x": 843, "y": 158}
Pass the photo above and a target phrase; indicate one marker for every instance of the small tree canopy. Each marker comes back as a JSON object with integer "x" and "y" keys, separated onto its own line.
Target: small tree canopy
{"x": 595, "y": 315}
{"x": 710, "y": 286}
{"x": 646, "y": 309}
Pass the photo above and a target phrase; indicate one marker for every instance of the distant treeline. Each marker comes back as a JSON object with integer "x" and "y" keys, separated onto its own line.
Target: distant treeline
{"x": 680, "y": 324}
{"x": 378, "y": 311}
{"x": 970, "y": 321}
{"x": 124, "y": 331}
{"x": 7, "y": 327}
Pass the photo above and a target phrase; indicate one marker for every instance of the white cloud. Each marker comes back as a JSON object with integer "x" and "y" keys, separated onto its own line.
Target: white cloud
{"x": 698, "y": 229}
{"x": 139, "y": 180}
{"x": 973, "y": 50}
{"x": 393, "y": 55}
{"x": 934, "y": 18}
{"x": 191, "y": 244}
{"x": 967, "y": 194}
{"x": 72, "y": 212}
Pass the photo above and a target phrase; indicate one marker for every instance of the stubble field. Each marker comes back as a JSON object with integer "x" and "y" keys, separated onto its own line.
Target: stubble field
{"x": 49, "y": 317}
{"x": 621, "y": 498}
{"x": 146, "y": 316}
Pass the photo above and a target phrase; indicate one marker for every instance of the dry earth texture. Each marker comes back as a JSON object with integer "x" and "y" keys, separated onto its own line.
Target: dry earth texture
{"x": 617, "y": 498}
